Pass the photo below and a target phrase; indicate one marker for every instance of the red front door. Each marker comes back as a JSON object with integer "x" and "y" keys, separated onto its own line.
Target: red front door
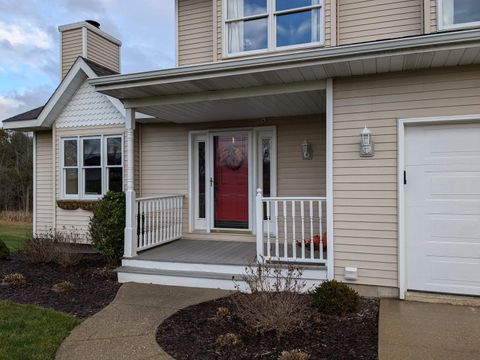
{"x": 231, "y": 181}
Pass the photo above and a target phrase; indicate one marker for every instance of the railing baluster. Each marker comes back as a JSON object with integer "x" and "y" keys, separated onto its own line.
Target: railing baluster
{"x": 320, "y": 250}
{"x": 302, "y": 215}
{"x": 312, "y": 245}
{"x": 285, "y": 231}
{"x": 268, "y": 204}
{"x": 277, "y": 249}
{"x": 294, "y": 245}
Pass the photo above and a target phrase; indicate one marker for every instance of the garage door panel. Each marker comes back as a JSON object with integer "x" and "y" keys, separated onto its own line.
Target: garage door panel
{"x": 442, "y": 198}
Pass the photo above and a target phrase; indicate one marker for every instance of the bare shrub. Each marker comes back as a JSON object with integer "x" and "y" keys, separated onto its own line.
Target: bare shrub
{"x": 53, "y": 247}
{"x": 228, "y": 339}
{"x": 106, "y": 271}
{"x": 16, "y": 216}
{"x": 296, "y": 354}
{"x": 63, "y": 286}
{"x": 222, "y": 313}
{"x": 275, "y": 302}
{"x": 13, "y": 278}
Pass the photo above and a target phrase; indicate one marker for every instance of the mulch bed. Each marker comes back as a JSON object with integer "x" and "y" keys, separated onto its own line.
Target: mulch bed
{"x": 191, "y": 333}
{"x": 94, "y": 288}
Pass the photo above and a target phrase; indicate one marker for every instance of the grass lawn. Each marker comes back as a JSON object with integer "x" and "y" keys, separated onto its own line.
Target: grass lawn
{"x": 15, "y": 234}
{"x": 30, "y": 332}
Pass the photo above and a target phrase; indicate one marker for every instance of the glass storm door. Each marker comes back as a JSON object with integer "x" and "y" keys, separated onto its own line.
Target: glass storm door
{"x": 230, "y": 181}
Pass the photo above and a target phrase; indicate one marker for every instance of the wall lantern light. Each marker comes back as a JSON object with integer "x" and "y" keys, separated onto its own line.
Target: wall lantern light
{"x": 366, "y": 143}
{"x": 307, "y": 152}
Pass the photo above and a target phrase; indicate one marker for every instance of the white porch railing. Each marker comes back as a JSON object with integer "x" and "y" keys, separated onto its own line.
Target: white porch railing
{"x": 291, "y": 229}
{"x": 159, "y": 220}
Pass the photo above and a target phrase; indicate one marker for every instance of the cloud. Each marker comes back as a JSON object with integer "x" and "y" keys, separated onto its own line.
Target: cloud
{"x": 24, "y": 35}
{"x": 18, "y": 102}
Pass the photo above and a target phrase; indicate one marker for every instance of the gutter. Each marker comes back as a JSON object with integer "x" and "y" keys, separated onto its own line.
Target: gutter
{"x": 423, "y": 43}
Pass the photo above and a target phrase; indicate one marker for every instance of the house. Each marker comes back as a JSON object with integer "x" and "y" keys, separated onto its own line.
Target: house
{"x": 250, "y": 146}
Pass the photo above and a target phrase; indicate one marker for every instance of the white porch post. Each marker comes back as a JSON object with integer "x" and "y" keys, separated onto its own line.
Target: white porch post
{"x": 130, "y": 248}
{"x": 329, "y": 118}
{"x": 259, "y": 224}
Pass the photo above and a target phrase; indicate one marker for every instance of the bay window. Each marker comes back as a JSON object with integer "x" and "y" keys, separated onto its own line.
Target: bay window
{"x": 458, "y": 13}
{"x": 253, "y": 26}
{"x": 91, "y": 166}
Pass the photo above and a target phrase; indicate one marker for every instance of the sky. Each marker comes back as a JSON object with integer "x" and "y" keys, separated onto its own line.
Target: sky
{"x": 29, "y": 42}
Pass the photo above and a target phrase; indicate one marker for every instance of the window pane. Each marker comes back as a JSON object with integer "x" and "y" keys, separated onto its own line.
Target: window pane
{"x": 201, "y": 180}
{"x": 298, "y": 28}
{"x": 93, "y": 181}
{"x": 115, "y": 178}
{"x": 71, "y": 181}
{"x": 114, "y": 151}
{"x": 91, "y": 152}
{"x": 293, "y": 4}
{"x": 466, "y": 11}
{"x": 70, "y": 152}
{"x": 247, "y": 35}
{"x": 266, "y": 171}
{"x": 237, "y": 9}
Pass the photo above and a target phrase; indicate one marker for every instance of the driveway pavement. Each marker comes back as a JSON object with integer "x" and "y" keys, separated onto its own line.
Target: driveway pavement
{"x": 126, "y": 328}
{"x": 411, "y": 330}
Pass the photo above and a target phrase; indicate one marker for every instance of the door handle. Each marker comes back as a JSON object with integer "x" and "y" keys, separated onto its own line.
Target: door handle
{"x": 211, "y": 182}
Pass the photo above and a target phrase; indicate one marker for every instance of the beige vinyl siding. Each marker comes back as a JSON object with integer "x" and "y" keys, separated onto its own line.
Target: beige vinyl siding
{"x": 370, "y": 20}
{"x": 102, "y": 51}
{"x": 195, "y": 32}
{"x": 76, "y": 221}
{"x": 71, "y": 48}
{"x": 164, "y": 160}
{"x": 43, "y": 181}
{"x": 365, "y": 189}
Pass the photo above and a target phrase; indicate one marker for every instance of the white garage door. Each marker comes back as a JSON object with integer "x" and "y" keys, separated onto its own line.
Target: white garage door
{"x": 443, "y": 208}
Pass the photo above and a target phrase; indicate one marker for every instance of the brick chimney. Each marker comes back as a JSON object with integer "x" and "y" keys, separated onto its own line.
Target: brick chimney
{"x": 87, "y": 40}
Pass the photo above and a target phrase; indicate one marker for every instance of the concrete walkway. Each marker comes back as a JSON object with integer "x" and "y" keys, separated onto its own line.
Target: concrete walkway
{"x": 126, "y": 328}
{"x": 412, "y": 330}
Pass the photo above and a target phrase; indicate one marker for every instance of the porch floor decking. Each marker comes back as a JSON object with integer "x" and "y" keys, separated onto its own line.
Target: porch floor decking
{"x": 203, "y": 251}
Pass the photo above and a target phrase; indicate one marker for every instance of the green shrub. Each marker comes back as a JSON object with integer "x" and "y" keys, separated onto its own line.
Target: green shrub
{"x": 4, "y": 251}
{"x": 107, "y": 226}
{"x": 335, "y": 298}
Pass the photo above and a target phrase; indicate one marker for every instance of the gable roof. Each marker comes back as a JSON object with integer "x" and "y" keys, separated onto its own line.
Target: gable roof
{"x": 44, "y": 116}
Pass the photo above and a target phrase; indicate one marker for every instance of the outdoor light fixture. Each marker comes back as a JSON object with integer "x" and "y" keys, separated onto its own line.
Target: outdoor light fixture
{"x": 307, "y": 153}
{"x": 366, "y": 143}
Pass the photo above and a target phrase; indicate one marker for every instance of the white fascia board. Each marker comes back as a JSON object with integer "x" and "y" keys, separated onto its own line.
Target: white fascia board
{"x": 23, "y": 125}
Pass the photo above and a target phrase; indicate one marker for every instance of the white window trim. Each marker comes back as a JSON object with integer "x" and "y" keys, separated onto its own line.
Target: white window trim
{"x": 80, "y": 167}
{"x": 445, "y": 27}
{"x": 106, "y": 166}
{"x": 63, "y": 168}
{"x": 271, "y": 16}
{"x": 83, "y": 168}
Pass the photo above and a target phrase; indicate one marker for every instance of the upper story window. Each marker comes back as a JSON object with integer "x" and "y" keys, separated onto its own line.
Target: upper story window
{"x": 91, "y": 166}
{"x": 253, "y": 26}
{"x": 459, "y": 13}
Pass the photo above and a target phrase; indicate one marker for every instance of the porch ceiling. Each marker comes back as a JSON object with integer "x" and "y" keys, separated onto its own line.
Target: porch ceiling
{"x": 249, "y": 107}
{"x": 271, "y": 85}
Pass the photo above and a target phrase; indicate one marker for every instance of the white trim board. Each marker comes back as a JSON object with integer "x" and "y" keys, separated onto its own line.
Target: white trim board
{"x": 402, "y": 242}
{"x": 329, "y": 165}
